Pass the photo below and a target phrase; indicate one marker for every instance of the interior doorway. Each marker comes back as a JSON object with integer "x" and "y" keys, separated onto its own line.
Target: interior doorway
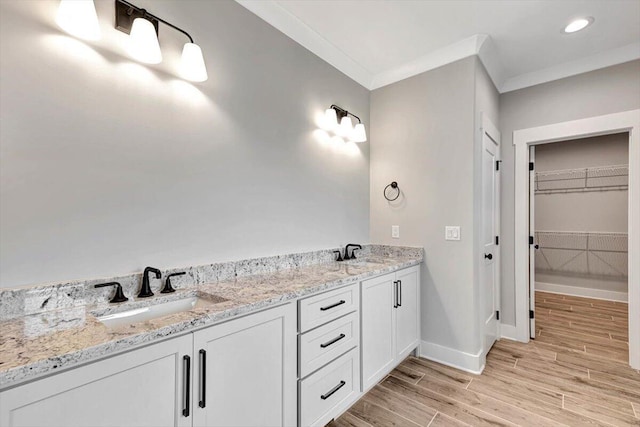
{"x": 579, "y": 259}
{"x": 625, "y": 122}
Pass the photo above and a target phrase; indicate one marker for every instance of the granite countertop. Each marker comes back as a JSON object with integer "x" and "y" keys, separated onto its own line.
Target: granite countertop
{"x": 38, "y": 344}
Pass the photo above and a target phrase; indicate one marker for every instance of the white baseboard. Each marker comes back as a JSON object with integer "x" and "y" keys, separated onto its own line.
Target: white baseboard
{"x": 451, "y": 357}
{"x": 509, "y": 332}
{"x": 582, "y": 292}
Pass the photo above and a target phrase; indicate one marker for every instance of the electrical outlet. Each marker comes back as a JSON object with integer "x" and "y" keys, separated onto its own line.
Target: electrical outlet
{"x": 395, "y": 231}
{"x": 452, "y": 232}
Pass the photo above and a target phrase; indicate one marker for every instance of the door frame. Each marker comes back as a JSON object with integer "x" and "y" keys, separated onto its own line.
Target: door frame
{"x": 627, "y": 121}
{"x": 492, "y": 132}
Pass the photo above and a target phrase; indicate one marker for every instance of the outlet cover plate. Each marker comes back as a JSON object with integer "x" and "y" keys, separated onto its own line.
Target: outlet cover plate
{"x": 395, "y": 231}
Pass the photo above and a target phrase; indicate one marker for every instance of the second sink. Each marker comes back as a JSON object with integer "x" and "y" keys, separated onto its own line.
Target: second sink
{"x": 142, "y": 314}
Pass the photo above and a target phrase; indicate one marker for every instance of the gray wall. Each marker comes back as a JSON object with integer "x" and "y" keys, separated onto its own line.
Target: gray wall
{"x": 586, "y": 211}
{"x": 422, "y": 136}
{"x": 107, "y": 166}
{"x": 604, "y": 91}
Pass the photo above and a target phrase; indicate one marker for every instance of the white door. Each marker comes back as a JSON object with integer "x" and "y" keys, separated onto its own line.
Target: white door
{"x": 144, "y": 387}
{"x": 407, "y": 319}
{"x": 377, "y": 328}
{"x": 490, "y": 235}
{"x": 245, "y": 371}
{"x": 532, "y": 243}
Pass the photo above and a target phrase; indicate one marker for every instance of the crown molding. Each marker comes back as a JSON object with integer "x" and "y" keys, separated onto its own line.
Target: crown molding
{"x": 446, "y": 55}
{"x": 289, "y": 24}
{"x": 479, "y": 44}
{"x": 604, "y": 59}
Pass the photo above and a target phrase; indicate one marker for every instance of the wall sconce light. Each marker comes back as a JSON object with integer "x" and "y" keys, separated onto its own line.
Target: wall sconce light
{"x": 337, "y": 120}
{"x": 142, "y": 27}
{"x": 79, "y": 18}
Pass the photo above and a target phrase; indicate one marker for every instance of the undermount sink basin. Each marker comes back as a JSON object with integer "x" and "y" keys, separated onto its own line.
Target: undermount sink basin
{"x": 156, "y": 311}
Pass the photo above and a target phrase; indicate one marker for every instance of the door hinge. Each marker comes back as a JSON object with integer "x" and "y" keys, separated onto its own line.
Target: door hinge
{"x": 498, "y": 164}
{"x": 531, "y": 314}
{"x": 497, "y": 240}
{"x": 530, "y": 166}
{"x": 531, "y": 240}
{"x": 497, "y": 314}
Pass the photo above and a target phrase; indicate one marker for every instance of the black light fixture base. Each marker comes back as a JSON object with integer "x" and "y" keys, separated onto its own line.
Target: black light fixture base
{"x": 340, "y": 113}
{"x": 125, "y": 14}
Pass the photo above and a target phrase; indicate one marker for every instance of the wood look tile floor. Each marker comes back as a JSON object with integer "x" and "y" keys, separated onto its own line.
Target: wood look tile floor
{"x": 575, "y": 373}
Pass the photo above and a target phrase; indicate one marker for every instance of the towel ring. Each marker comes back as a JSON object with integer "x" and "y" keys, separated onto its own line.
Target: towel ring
{"x": 392, "y": 191}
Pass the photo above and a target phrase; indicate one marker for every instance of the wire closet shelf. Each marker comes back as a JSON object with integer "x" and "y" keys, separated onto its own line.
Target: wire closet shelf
{"x": 583, "y": 253}
{"x": 601, "y": 178}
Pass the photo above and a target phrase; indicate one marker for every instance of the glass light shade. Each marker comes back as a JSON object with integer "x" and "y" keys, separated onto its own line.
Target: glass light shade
{"x": 192, "y": 66}
{"x": 143, "y": 42}
{"x": 346, "y": 127}
{"x": 359, "y": 133}
{"x": 79, "y": 18}
{"x": 330, "y": 119}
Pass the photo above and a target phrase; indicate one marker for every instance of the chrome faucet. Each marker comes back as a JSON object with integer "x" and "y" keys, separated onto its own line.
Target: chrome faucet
{"x": 145, "y": 290}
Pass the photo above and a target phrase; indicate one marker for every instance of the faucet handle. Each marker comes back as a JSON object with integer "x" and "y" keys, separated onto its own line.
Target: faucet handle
{"x": 353, "y": 252}
{"x": 339, "y": 257}
{"x": 119, "y": 295}
{"x": 167, "y": 284}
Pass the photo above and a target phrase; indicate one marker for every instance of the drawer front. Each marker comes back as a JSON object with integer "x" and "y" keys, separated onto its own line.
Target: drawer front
{"x": 320, "y": 309}
{"x": 322, "y": 345}
{"x": 330, "y": 391}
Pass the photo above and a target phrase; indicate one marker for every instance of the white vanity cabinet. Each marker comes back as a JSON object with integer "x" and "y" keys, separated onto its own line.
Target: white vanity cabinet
{"x": 329, "y": 354}
{"x": 390, "y": 328}
{"x": 249, "y": 380}
{"x": 245, "y": 371}
{"x": 144, "y": 387}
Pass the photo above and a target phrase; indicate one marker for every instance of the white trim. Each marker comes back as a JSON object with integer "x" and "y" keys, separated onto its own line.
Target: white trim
{"x": 604, "y": 59}
{"x": 604, "y": 294}
{"x": 289, "y": 24}
{"x": 478, "y": 44}
{"x": 627, "y": 121}
{"x": 446, "y": 55}
{"x": 508, "y": 332}
{"x": 455, "y": 358}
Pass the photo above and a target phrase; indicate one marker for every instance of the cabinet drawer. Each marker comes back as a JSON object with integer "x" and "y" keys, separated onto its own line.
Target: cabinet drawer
{"x": 320, "y": 309}
{"x": 322, "y": 345}
{"x": 328, "y": 392}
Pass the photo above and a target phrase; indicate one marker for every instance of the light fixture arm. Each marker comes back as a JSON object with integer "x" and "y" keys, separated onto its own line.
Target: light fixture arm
{"x": 146, "y": 14}
{"x": 341, "y": 112}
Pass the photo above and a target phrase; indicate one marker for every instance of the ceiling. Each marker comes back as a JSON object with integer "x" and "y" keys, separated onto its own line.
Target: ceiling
{"x": 521, "y": 42}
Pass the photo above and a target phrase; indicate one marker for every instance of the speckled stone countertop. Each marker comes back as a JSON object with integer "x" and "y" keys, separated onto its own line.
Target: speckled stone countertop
{"x": 38, "y": 344}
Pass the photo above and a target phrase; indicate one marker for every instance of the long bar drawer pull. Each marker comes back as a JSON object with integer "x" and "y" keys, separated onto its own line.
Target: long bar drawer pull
{"x": 333, "y": 390}
{"x": 333, "y": 341}
{"x": 187, "y": 385}
{"x": 329, "y": 307}
{"x": 203, "y": 379}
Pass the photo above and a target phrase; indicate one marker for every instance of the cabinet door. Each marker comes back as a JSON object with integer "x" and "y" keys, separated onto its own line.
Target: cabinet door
{"x": 143, "y": 387}
{"x": 377, "y": 328}
{"x": 407, "y": 313}
{"x": 247, "y": 373}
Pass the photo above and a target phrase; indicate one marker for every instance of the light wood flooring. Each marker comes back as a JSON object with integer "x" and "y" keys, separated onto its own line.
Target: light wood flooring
{"x": 575, "y": 373}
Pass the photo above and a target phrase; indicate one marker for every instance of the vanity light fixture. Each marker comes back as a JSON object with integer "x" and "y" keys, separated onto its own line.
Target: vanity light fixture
{"x": 345, "y": 127}
{"x": 143, "y": 29}
{"x": 578, "y": 24}
{"x": 79, "y": 18}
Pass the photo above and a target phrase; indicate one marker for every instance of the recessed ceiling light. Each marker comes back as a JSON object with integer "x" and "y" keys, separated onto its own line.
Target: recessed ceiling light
{"x": 578, "y": 24}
